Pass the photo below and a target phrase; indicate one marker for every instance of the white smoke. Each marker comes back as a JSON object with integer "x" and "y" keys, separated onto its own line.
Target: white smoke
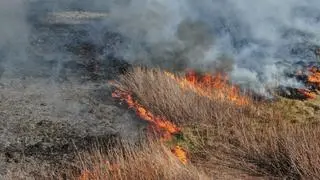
{"x": 14, "y": 32}
{"x": 256, "y": 34}
{"x": 187, "y": 33}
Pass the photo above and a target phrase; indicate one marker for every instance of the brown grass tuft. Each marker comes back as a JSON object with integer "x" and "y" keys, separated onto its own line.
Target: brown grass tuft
{"x": 223, "y": 140}
{"x": 252, "y": 139}
{"x": 147, "y": 161}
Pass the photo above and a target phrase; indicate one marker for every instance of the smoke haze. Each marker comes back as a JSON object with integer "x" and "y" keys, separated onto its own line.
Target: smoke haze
{"x": 252, "y": 39}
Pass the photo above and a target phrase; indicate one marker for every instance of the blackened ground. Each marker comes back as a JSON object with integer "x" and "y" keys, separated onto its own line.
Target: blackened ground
{"x": 57, "y": 102}
{"x": 290, "y": 93}
{"x": 44, "y": 121}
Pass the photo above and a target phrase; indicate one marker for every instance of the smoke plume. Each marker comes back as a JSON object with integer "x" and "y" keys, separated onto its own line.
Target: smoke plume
{"x": 13, "y": 33}
{"x": 252, "y": 40}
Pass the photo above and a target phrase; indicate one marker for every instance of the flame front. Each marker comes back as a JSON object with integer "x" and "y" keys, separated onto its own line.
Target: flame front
{"x": 161, "y": 123}
{"x": 211, "y": 86}
{"x": 97, "y": 171}
{"x": 207, "y": 85}
{"x": 180, "y": 153}
{"x": 143, "y": 113}
{"x": 307, "y": 93}
{"x": 312, "y": 81}
{"x": 314, "y": 76}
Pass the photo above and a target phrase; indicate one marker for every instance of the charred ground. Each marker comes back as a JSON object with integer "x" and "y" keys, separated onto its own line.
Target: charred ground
{"x": 58, "y": 102}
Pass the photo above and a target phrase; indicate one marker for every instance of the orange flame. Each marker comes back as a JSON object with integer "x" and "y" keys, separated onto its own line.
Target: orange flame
{"x": 313, "y": 79}
{"x": 143, "y": 113}
{"x": 211, "y": 86}
{"x": 314, "y": 76}
{"x": 207, "y": 85}
{"x": 97, "y": 171}
{"x": 180, "y": 153}
{"x": 85, "y": 175}
{"x": 307, "y": 93}
{"x": 160, "y": 122}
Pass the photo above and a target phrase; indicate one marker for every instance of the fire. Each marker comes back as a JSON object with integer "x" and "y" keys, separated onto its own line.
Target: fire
{"x": 312, "y": 81}
{"x": 85, "y": 175}
{"x": 307, "y": 93}
{"x": 97, "y": 171}
{"x": 207, "y": 85}
{"x": 161, "y": 123}
{"x": 211, "y": 86}
{"x": 143, "y": 113}
{"x": 180, "y": 153}
{"x": 314, "y": 76}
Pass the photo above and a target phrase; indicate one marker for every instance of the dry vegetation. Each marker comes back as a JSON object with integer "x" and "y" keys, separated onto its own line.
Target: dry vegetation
{"x": 300, "y": 111}
{"x": 223, "y": 140}
{"x": 149, "y": 161}
{"x": 254, "y": 139}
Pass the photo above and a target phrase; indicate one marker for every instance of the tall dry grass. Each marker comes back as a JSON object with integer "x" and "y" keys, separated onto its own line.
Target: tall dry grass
{"x": 120, "y": 160}
{"x": 223, "y": 140}
{"x": 151, "y": 160}
{"x": 252, "y": 139}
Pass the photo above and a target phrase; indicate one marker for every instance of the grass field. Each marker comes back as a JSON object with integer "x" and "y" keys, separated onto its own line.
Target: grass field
{"x": 223, "y": 140}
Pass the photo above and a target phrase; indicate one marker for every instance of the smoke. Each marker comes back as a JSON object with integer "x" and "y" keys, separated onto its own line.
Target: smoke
{"x": 250, "y": 39}
{"x": 257, "y": 35}
{"x": 13, "y": 33}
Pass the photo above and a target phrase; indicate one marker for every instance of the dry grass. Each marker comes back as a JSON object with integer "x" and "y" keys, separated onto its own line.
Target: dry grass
{"x": 252, "y": 139}
{"x": 146, "y": 161}
{"x": 223, "y": 140}
{"x": 117, "y": 160}
{"x": 300, "y": 111}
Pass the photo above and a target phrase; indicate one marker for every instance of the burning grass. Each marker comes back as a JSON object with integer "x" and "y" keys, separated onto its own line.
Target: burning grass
{"x": 164, "y": 127}
{"x": 214, "y": 87}
{"x": 147, "y": 161}
{"x": 203, "y": 134}
{"x": 219, "y": 133}
{"x": 118, "y": 160}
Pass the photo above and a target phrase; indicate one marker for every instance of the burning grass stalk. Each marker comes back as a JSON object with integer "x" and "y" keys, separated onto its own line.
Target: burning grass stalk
{"x": 150, "y": 160}
{"x": 224, "y": 139}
